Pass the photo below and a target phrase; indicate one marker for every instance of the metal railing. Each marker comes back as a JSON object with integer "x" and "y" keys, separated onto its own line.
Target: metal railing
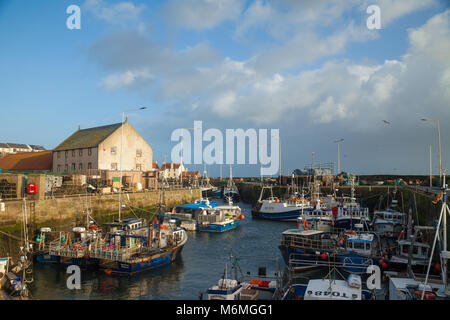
{"x": 305, "y": 243}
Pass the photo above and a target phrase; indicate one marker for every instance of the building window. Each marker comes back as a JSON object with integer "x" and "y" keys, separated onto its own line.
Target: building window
{"x": 73, "y": 167}
{"x": 139, "y": 153}
{"x": 80, "y": 152}
{"x": 80, "y": 166}
{"x": 139, "y": 167}
{"x": 113, "y": 150}
{"x": 89, "y": 165}
{"x": 90, "y": 152}
{"x": 66, "y": 154}
{"x": 58, "y": 155}
{"x": 59, "y": 168}
{"x": 66, "y": 168}
{"x": 73, "y": 153}
{"x": 114, "y": 166}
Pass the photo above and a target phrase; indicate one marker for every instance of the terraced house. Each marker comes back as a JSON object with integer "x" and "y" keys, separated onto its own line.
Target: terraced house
{"x": 98, "y": 149}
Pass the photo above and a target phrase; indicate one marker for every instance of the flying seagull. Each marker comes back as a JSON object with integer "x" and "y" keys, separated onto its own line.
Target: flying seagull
{"x": 387, "y": 122}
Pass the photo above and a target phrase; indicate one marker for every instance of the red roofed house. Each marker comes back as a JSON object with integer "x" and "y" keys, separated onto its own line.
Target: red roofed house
{"x": 191, "y": 174}
{"x": 27, "y": 161}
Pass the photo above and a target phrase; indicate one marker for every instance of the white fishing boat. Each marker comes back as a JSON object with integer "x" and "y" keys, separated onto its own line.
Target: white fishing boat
{"x": 350, "y": 214}
{"x": 389, "y": 222}
{"x": 273, "y": 208}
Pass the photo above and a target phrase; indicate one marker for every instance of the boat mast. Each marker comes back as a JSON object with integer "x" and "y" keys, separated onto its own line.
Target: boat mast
{"x": 445, "y": 255}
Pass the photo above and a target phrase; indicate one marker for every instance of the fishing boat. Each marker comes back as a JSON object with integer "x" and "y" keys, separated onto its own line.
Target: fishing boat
{"x": 329, "y": 289}
{"x": 220, "y": 218}
{"x": 350, "y": 215}
{"x": 306, "y": 246}
{"x": 12, "y": 286}
{"x": 389, "y": 222}
{"x": 413, "y": 287}
{"x": 357, "y": 251}
{"x": 206, "y": 216}
{"x": 419, "y": 256}
{"x": 231, "y": 287}
{"x": 273, "y": 208}
{"x": 131, "y": 247}
{"x": 73, "y": 248}
{"x": 230, "y": 190}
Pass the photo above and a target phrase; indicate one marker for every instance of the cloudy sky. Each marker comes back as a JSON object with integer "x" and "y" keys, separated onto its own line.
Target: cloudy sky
{"x": 309, "y": 68}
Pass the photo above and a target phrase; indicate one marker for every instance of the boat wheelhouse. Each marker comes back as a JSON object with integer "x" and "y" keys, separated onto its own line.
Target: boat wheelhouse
{"x": 389, "y": 222}
{"x": 305, "y": 247}
{"x": 358, "y": 252}
{"x": 322, "y": 218}
{"x": 420, "y": 256}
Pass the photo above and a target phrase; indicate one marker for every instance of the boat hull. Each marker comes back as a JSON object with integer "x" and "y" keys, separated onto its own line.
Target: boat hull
{"x": 213, "y": 227}
{"x": 47, "y": 258}
{"x": 143, "y": 264}
{"x": 355, "y": 263}
{"x": 309, "y": 257}
{"x": 277, "y": 216}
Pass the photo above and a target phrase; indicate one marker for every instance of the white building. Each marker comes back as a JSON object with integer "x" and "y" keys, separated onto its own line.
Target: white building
{"x": 95, "y": 149}
{"x": 13, "y": 148}
{"x": 170, "y": 170}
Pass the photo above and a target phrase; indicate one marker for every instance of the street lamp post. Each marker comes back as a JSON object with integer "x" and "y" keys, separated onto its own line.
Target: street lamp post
{"x": 439, "y": 146}
{"x": 338, "y": 142}
{"x": 121, "y": 148}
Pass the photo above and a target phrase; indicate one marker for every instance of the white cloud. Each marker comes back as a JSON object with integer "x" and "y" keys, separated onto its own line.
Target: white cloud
{"x": 119, "y": 13}
{"x": 202, "y": 14}
{"x": 125, "y": 79}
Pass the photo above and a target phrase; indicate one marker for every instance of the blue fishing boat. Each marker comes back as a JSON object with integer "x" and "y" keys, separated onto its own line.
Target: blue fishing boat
{"x": 207, "y": 216}
{"x": 140, "y": 248}
{"x": 358, "y": 251}
{"x": 273, "y": 208}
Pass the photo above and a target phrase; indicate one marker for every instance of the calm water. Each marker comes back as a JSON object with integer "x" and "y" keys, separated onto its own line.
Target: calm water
{"x": 200, "y": 265}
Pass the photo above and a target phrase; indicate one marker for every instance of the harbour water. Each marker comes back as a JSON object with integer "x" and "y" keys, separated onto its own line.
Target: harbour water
{"x": 200, "y": 265}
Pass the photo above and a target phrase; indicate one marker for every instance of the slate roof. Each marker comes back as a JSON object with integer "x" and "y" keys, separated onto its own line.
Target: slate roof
{"x": 17, "y": 145}
{"x": 35, "y": 147}
{"x": 27, "y": 161}
{"x": 88, "y": 138}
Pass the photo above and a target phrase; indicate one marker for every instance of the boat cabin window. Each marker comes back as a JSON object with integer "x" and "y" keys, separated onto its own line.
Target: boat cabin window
{"x": 358, "y": 245}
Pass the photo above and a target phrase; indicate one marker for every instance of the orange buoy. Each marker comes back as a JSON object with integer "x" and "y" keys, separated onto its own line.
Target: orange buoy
{"x": 241, "y": 217}
{"x": 108, "y": 271}
{"x": 428, "y": 295}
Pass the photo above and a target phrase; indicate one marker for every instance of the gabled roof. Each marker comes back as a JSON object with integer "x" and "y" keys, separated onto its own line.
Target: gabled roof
{"x": 168, "y": 165}
{"x": 88, "y": 138}
{"x": 17, "y": 145}
{"x": 27, "y": 161}
{"x": 191, "y": 174}
{"x": 35, "y": 147}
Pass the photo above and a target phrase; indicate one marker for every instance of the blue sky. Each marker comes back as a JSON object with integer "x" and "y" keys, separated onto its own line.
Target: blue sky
{"x": 310, "y": 68}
